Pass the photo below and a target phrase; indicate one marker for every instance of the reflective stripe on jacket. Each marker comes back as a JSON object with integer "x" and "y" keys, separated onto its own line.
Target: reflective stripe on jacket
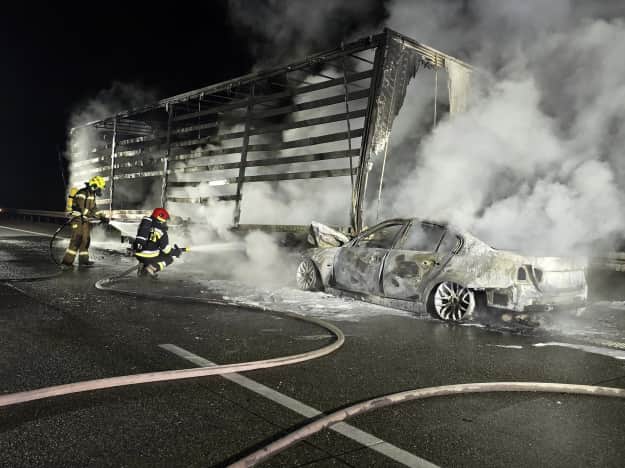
{"x": 153, "y": 236}
{"x": 84, "y": 203}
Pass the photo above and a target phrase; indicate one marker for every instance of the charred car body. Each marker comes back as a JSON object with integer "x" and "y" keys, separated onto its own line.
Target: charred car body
{"x": 425, "y": 266}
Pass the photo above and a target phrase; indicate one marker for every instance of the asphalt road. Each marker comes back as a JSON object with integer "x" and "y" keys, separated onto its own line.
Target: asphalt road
{"x": 61, "y": 330}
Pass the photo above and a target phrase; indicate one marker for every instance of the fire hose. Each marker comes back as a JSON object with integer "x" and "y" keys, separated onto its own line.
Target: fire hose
{"x": 51, "y": 253}
{"x": 54, "y": 236}
{"x": 60, "y": 229}
{"x": 317, "y": 425}
{"x": 313, "y": 427}
{"x": 164, "y": 376}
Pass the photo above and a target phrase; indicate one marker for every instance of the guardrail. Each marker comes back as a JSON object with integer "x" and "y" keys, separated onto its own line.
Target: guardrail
{"x": 39, "y": 215}
{"x": 125, "y": 215}
{"x": 54, "y": 216}
{"x": 612, "y": 261}
{"x": 33, "y": 215}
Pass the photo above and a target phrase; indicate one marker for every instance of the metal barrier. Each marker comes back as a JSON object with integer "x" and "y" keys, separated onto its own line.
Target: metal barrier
{"x": 607, "y": 261}
{"x": 59, "y": 216}
{"x": 614, "y": 261}
{"x": 33, "y": 215}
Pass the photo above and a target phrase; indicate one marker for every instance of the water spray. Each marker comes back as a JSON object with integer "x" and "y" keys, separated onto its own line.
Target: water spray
{"x": 217, "y": 247}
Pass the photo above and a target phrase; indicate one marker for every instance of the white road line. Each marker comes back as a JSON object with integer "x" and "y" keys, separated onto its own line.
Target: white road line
{"x": 33, "y": 232}
{"x": 610, "y": 352}
{"x": 27, "y": 232}
{"x": 362, "y": 437}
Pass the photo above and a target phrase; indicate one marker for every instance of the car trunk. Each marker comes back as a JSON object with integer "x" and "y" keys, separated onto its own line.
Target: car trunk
{"x": 554, "y": 274}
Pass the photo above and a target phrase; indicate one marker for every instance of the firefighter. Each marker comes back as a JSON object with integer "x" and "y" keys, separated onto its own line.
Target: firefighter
{"x": 84, "y": 213}
{"x": 151, "y": 244}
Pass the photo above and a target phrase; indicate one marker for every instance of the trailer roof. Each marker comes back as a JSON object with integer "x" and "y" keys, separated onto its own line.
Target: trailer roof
{"x": 435, "y": 57}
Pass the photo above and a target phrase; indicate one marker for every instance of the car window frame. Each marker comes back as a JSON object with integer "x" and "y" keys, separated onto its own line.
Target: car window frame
{"x": 377, "y": 227}
{"x": 457, "y": 246}
{"x": 405, "y": 234}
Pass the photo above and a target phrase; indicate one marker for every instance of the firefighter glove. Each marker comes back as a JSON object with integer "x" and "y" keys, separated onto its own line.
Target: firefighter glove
{"x": 137, "y": 246}
{"x": 176, "y": 251}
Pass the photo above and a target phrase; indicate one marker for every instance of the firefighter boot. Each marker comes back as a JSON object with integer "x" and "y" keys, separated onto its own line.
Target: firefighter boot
{"x": 141, "y": 272}
{"x": 83, "y": 258}
{"x": 152, "y": 271}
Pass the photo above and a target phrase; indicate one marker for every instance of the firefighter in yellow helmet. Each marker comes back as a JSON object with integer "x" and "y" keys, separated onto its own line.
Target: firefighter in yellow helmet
{"x": 84, "y": 213}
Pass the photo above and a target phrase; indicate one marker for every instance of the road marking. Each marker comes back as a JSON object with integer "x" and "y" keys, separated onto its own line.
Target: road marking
{"x": 610, "y": 352}
{"x": 611, "y": 344}
{"x": 370, "y": 441}
{"x": 27, "y": 232}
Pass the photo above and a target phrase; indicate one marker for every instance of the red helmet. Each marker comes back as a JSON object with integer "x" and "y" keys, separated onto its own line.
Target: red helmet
{"x": 161, "y": 214}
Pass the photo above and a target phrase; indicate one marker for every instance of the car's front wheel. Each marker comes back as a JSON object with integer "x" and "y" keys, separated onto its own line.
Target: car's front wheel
{"x": 451, "y": 301}
{"x": 307, "y": 276}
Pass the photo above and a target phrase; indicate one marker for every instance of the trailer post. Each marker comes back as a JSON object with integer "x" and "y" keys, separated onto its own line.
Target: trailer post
{"x": 365, "y": 147}
{"x": 246, "y": 140}
{"x": 170, "y": 114}
{"x": 112, "y": 173}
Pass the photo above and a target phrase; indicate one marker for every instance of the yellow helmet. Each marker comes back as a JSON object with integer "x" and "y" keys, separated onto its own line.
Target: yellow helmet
{"x": 98, "y": 182}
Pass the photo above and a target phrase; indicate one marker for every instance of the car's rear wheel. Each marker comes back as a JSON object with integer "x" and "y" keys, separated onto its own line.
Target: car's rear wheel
{"x": 451, "y": 301}
{"x": 307, "y": 276}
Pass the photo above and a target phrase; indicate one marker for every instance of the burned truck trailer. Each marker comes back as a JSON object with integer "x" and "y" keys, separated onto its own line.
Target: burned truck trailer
{"x": 328, "y": 116}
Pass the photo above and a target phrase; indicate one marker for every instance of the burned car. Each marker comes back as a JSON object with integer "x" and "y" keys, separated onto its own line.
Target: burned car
{"x": 427, "y": 266}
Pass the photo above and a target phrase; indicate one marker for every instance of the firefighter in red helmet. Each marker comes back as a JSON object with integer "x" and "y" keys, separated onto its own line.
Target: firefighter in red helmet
{"x": 151, "y": 244}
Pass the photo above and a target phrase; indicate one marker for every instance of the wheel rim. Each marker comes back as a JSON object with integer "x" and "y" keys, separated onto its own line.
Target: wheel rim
{"x": 306, "y": 274}
{"x": 452, "y": 301}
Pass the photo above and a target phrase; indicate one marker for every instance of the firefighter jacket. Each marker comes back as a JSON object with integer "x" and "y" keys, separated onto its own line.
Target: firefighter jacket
{"x": 84, "y": 204}
{"x": 152, "y": 239}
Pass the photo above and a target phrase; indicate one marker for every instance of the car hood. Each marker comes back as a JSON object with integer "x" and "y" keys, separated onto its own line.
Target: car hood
{"x": 321, "y": 235}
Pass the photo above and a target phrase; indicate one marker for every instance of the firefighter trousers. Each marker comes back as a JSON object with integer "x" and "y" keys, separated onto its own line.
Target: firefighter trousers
{"x": 161, "y": 261}
{"x": 79, "y": 243}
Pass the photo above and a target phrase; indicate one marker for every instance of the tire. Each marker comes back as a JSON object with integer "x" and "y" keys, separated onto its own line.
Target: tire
{"x": 452, "y": 302}
{"x": 307, "y": 276}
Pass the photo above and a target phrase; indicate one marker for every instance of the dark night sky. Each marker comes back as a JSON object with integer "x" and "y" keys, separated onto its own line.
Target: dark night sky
{"x": 54, "y": 57}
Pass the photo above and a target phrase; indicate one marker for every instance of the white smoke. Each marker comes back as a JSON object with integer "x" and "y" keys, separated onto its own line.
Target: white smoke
{"x": 106, "y": 103}
{"x": 284, "y": 202}
{"x": 119, "y": 97}
{"x": 266, "y": 262}
{"x": 537, "y": 163}
{"x": 281, "y": 31}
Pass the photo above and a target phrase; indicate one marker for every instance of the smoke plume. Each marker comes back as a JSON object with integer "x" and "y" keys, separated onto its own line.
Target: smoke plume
{"x": 281, "y": 31}
{"x": 536, "y": 164}
{"x": 119, "y": 97}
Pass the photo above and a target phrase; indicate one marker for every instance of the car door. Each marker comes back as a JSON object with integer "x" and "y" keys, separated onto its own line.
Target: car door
{"x": 413, "y": 260}
{"x": 358, "y": 265}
